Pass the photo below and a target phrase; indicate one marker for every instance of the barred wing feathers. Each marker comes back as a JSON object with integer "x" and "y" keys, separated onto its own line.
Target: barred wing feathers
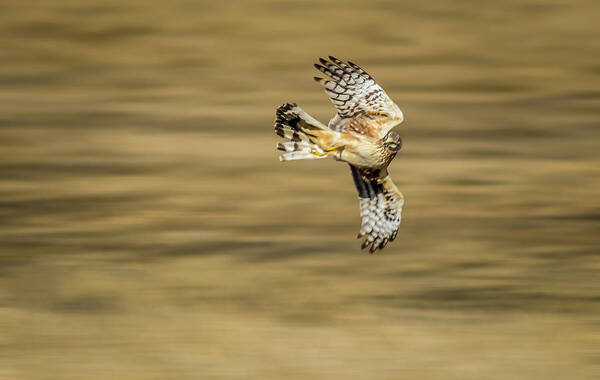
{"x": 380, "y": 204}
{"x": 362, "y": 105}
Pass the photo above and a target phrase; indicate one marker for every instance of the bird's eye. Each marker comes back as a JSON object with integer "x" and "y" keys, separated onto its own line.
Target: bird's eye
{"x": 393, "y": 146}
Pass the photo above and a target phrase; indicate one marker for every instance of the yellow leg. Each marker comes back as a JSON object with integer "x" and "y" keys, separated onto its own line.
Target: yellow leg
{"x": 319, "y": 154}
{"x": 328, "y": 151}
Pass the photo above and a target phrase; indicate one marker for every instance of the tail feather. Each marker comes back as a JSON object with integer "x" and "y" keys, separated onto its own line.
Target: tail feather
{"x": 288, "y": 133}
{"x": 293, "y": 146}
{"x": 299, "y": 156}
{"x": 302, "y": 129}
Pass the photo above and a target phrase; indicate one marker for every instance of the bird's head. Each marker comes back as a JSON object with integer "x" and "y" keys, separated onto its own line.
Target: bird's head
{"x": 392, "y": 141}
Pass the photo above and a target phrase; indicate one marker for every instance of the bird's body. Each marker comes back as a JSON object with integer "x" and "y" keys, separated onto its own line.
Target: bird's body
{"x": 365, "y": 153}
{"x": 359, "y": 134}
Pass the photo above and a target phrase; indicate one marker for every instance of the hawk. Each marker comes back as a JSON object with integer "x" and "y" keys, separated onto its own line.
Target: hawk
{"x": 359, "y": 134}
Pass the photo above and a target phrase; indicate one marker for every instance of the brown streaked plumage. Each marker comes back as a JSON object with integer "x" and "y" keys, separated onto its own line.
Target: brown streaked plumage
{"x": 359, "y": 134}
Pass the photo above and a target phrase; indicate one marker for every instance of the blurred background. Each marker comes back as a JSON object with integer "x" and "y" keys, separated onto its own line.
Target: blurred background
{"x": 148, "y": 230}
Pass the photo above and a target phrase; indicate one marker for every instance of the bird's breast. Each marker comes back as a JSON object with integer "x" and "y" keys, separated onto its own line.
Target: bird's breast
{"x": 369, "y": 155}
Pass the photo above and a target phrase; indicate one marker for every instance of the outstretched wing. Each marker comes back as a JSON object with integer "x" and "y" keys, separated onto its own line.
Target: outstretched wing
{"x": 363, "y": 106}
{"x": 380, "y": 207}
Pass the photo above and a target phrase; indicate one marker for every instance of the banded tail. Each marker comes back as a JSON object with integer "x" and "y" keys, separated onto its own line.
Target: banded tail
{"x": 302, "y": 130}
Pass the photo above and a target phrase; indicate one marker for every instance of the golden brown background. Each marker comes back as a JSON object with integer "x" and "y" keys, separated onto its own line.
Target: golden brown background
{"x": 148, "y": 230}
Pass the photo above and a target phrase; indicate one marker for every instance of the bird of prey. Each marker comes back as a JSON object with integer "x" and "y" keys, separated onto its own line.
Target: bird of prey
{"x": 359, "y": 134}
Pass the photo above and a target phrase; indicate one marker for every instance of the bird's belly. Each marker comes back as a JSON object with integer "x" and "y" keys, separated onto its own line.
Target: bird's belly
{"x": 360, "y": 159}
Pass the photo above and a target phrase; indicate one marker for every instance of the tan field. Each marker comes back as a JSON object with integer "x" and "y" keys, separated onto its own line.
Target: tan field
{"x": 148, "y": 230}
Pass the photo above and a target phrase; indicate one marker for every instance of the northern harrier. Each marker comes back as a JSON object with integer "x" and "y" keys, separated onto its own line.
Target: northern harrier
{"x": 359, "y": 134}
